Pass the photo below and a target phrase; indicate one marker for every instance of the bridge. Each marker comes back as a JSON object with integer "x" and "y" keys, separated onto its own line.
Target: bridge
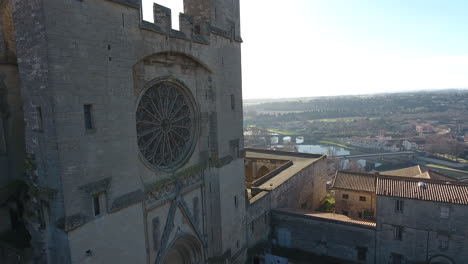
{"x": 264, "y": 136}
{"x": 405, "y": 154}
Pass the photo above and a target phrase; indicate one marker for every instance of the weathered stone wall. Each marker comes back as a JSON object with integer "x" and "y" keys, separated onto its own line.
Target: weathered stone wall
{"x": 12, "y": 153}
{"x": 72, "y": 53}
{"x": 7, "y": 33}
{"x": 353, "y": 205}
{"x": 423, "y": 229}
{"x": 304, "y": 190}
{"x": 51, "y": 243}
{"x": 98, "y": 52}
{"x": 322, "y": 236}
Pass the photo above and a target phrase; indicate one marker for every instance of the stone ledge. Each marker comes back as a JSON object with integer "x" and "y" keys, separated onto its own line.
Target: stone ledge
{"x": 127, "y": 200}
{"x": 96, "y": 186}
{"x": 74, "y": 221}
{"x": 130, "y": 3}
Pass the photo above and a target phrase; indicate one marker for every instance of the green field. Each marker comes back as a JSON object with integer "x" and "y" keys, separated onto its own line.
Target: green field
{"x": 343, "y": 119}
{"x": 282, "y": 132}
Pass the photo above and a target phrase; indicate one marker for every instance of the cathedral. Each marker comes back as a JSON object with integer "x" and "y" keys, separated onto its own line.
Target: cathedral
{"x": 121, "y": 139}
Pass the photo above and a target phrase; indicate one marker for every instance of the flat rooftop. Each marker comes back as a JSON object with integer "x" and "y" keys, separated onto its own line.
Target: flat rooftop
{"x": 338, "y": 218}
{"x": 296, "y": 162}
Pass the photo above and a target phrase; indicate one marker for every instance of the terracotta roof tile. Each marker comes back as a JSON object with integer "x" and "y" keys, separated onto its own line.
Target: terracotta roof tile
{"x": 354, "y": 181}
{"x": 423, "y": 189}
{"x": 418, "y": 172}
{"x": 405, "y": 172}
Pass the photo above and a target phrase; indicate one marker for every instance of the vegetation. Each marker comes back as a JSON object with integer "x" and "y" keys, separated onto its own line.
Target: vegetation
{"x": 327, "y": 205}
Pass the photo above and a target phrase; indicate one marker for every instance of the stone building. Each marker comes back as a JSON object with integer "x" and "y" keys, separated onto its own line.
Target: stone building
{"x": 355, "y": 194}
{"x": 131, "y": 130}
{"x": 418, "y": 220}
{"x": 121, "y": 140}
{"x": 421, "y": 221}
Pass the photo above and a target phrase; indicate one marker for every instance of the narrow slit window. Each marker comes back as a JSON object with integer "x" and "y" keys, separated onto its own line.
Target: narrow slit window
{"x": 398, "y": 233}
{"x": 96, "y": 205}
{"x": 236, "y": 203}
{"x": 233, "y": 102}
{"x": 197, "y": 30}
{"x": 99, "y": 204}
{"x": 2, "y": 139}
{"x": 40, "y": 120}
{"x": 399, "y": 206}
{"x": 88, "y": 116}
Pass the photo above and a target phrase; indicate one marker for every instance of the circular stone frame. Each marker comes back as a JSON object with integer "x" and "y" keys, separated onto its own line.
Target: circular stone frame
{"x": 163, "y": 120}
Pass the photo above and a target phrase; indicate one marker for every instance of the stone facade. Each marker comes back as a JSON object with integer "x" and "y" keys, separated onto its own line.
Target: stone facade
{"x": 324, "y": 237}
{"x": 301, "y": 185}
{"x": 355, "y": 204}
{"x": 429, "y": 234}
{"x": 417, "y": 221}
{"x": 75, "y": 71}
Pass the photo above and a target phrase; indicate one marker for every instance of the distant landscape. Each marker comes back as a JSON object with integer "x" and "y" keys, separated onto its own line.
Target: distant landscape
{"x": 433, "y": 122}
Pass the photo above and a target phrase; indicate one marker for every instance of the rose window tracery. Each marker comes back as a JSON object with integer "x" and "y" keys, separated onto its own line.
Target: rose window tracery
{"x": 165, "y": 128}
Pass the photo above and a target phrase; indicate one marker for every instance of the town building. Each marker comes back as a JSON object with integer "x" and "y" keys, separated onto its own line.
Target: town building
{"x": 355, "y": 194}
{"x": 417, "y": 221}
{"x": 421, "y": 221}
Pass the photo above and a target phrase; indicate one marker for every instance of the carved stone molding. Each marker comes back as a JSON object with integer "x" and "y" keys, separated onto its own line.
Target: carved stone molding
{"x": 74, "y": 221}
{"x": 127, "y": 199}
{"x": 97, "y": 186}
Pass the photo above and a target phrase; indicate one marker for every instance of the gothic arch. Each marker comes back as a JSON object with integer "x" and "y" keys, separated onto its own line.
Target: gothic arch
{"x": 185, "y": 249}
{"x": 176, "y": 54}
{"x": 262, "y": 171}
{"x": 440, "y": 259}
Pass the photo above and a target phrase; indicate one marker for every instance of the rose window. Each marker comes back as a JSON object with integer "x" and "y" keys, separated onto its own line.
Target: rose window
{"x": 165, "y": 129}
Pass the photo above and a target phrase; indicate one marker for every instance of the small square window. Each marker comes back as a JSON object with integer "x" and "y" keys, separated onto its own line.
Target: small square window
{"x": 345, "y": 196}
{"x": 345, "y": 212}
{"x": 361, "y": 253}
{"x": 197, "y": 30}
{"x": 397, "y": 258}
{"x": 444, "y": 212}
{"x": 362, "y": 198}
{"x": 443, "y": 241}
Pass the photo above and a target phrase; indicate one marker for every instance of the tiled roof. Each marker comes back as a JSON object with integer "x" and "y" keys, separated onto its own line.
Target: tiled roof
{"x": 423, "y": 189}
{"x": 405, "y": 172}
{"x": 354, "y": 181}
{"x": 419, "y": 172}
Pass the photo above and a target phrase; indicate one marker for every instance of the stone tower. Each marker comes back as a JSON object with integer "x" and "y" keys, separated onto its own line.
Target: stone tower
{"x": 133, "y": 130}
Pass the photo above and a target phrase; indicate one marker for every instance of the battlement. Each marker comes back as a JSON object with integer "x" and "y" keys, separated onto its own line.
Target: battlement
{"x": 192, "y": 28}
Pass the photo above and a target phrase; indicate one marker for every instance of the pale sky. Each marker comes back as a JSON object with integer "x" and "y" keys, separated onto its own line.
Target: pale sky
{"x": 301, "y": 48}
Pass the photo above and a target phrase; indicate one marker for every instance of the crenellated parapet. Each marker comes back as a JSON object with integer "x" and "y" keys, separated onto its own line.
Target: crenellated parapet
{"x": 194, "y": 27}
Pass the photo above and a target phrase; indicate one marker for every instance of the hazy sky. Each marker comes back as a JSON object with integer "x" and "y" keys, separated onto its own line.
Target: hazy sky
{"x": 301, "y": 48}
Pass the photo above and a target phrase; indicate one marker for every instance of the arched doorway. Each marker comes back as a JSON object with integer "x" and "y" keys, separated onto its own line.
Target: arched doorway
{"x": 440, "y": 260}
{"x": 185, "y": 250}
